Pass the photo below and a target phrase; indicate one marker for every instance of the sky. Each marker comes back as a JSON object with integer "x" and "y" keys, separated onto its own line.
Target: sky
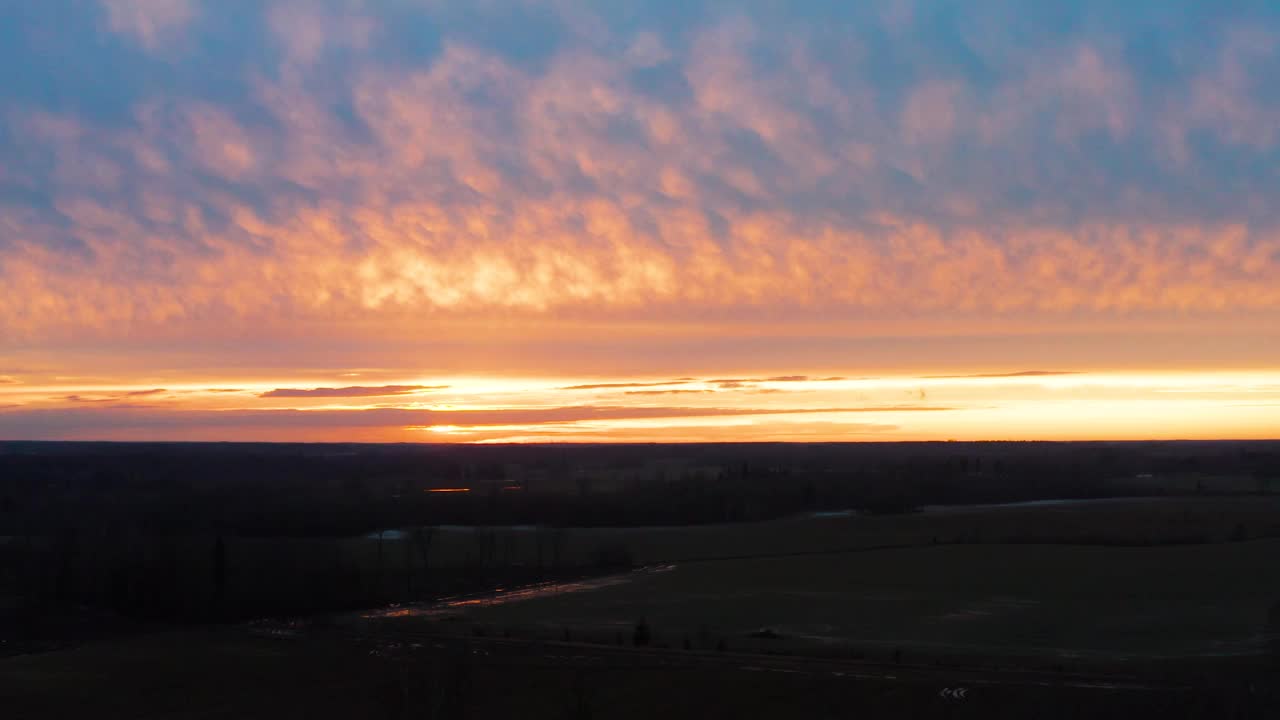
{"x": 561, "y": 221}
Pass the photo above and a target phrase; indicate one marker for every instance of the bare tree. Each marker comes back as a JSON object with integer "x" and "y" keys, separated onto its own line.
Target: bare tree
{"x": 1273, "y": 634}
{"x": 219, "y": 575}
{"x": 642, "y": 634}
{"x": 486, "y": 542}
{"x": 377, "y": 576}
{"x": 407, "y": 548}
{"x": 557, "y": 546}
{"x": 580, "y": 703}
{"x": 421, "y": 538}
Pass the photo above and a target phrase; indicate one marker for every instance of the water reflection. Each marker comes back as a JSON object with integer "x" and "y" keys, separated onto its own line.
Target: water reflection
{"x": 503, "y": 596}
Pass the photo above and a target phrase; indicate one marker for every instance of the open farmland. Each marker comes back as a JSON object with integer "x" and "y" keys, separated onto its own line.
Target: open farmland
{"x": 1080, "y": 606}
{"x": 1138, "y": 521}
{"x": 1058, "y": 602}
{"x": 227, "y": 674}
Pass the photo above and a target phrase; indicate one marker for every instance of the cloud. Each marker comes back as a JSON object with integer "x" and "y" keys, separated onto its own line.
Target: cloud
{"x": 7, "y": 380}
{"x": 110, "y": 397}
{"x": 536, "y": 187}
{"x": 735, "y": 383}
{"x": 782, "y": 432}
{"x": 426, "y": 212}
{"x": 354, "y": 391}
{"x": 99, "y": 421}
{"x": 151, "y": 23}
{"x": 793, "y": 378}
{"x": 304, "y": 30}
{"x": 647, "y": 50}
{"x": 1023, "y": 373}
{"x": 901, "y": 408}
{"x": 667, "y": 392}
{"x": 691, "y": 180}
{"x": 612, "y": 386}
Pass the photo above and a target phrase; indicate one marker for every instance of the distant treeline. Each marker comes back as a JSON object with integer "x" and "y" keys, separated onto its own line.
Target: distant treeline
{"x": 335, "y": 490}
{"x": 180, "y": 531}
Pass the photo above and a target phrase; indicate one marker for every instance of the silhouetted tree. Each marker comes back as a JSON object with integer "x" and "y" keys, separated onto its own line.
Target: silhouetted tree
{"x": 557, "y": 546}
{"x": 421, "y": 538}
{"x": 219, "y": 574}
{"x": 407, "y": 548}
{"x": 641, "y": 636}
{"x": 580, "y": 704}
{"x": 1273, "y": 635}
{"x": 457, "y": 686}
{"x": 377, "y": 583}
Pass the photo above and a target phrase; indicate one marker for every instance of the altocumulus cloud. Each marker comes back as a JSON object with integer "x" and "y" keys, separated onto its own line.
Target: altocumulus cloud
{"x": 347, "y": 392}
{"x": 150, "y": 23}
{"x": 366, "y": 166}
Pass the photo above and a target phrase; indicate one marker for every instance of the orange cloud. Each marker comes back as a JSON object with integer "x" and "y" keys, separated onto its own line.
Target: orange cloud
{"x": 1019, "y": 374}
{"x": 613, "y": 386}
{"x": 354, "y": 391}
{"x": 488, "y": 189}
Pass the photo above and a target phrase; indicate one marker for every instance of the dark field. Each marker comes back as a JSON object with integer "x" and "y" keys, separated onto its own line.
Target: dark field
{"x": 1058, "y": 603}
{"x": 823, "y": 581}
{"x": 224, "y": 674}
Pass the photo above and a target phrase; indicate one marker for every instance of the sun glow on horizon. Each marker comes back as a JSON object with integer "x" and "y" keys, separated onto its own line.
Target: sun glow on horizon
{"x": 1008, "y": 405}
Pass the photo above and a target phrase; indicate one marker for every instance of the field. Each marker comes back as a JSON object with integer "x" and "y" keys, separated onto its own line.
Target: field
{"x": 876, "y": 633}
{"x": 219, "y": 674}
{"x": 1053, "y": 584}
{"x": 1144, "y": 521}
{"x": 1098, "y": 610}
{"x": 1054, "y": 601}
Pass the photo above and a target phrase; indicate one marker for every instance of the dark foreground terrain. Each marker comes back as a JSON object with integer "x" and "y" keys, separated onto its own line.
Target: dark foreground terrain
{"x": 987, "y": 580}
{"x": 228, "y": 673}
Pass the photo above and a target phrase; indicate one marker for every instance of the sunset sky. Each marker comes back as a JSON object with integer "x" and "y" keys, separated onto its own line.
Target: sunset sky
{"x": 484, "y": 221}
